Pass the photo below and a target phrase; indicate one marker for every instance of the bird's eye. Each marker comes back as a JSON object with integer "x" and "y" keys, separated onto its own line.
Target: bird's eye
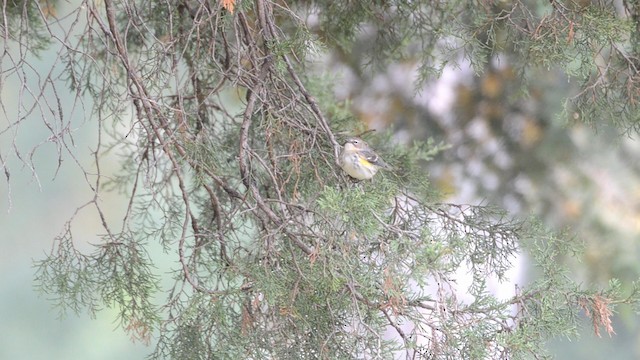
{"x": 355, "y": 142}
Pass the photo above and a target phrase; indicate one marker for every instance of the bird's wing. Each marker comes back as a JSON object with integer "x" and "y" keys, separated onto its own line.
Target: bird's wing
{"x": 373, "y": 158}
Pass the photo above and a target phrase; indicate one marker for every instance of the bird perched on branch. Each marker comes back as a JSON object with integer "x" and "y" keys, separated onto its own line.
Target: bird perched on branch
{"x": 359, "y": 160}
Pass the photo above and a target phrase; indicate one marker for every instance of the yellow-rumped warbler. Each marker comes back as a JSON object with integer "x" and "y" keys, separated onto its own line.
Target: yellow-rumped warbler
{"x": 359, "y": 160}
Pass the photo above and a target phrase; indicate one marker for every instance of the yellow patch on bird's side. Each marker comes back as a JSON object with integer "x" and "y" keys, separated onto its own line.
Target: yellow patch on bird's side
{"x": 364, "y": 161}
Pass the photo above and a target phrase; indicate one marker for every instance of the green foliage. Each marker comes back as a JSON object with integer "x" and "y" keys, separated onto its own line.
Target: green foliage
{"x": 24, "y": 24}
{"x": 594, "y": 46}
{"x": 119, "y": 275}
{"x": 230, "y": 163}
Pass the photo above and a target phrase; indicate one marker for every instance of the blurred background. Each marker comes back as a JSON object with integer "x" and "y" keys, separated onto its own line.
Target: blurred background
{"x": 505, "y": 149}
{"x": 33, "y": 211}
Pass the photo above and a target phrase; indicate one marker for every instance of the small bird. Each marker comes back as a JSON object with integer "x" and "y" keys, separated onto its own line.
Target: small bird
{"x": 359, "y": 160}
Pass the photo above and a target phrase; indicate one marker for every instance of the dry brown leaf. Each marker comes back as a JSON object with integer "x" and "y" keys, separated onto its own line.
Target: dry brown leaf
{"x": 229, "y": 5}
{"x": 599, "y": 312}
{"x": 571, "y": 33}
{"x": 48, "y": 9}
{"x": 139, "y": 331}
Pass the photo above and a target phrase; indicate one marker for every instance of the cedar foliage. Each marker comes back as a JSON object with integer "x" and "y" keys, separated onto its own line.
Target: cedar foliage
{"x": 230, "y": 148}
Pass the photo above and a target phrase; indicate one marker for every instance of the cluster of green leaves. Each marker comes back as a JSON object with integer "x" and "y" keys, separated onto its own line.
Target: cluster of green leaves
{"x": 117, "y": 275}
{"x": 593, "y": 46}
{"x": 278, "y": 253}
{"x": 24, "y": 25}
